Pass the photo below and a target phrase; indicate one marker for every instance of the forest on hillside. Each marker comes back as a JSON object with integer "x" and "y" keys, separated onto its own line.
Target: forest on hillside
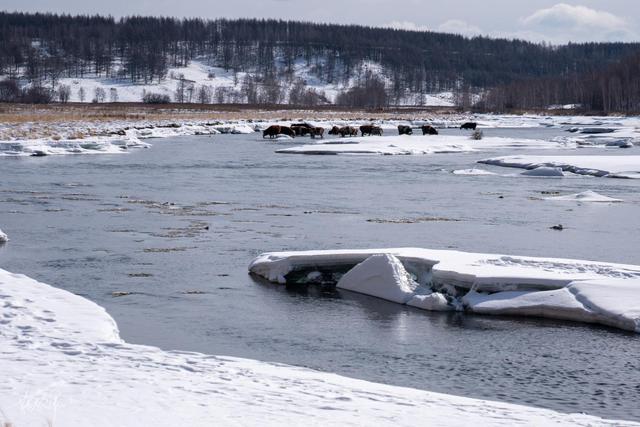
{"x": 36, "y": 50}
{"x": 615, "y": 89}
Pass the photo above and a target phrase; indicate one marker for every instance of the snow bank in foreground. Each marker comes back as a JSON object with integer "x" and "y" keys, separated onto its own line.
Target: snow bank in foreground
{"x": 430, "y": 144}
{"x": 586, "y": 196}
{"x": 64, "y": 364}
{"x": 609, "y": 166}
{"x": 584, "y": 291}
{"x": 3, "y": 237}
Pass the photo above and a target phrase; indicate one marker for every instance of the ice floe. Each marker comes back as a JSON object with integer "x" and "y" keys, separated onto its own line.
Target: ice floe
{"x": 585, "y": 196}
{"x": 609, "y": 166}
{"x": 544, "y": 171}
{"x": 3, "y": 237}
{"x": 405, "y": 144}
{"x": 473, "y": 171}
{"x": 482, "y": 283}
{"x": 63, "y": 363}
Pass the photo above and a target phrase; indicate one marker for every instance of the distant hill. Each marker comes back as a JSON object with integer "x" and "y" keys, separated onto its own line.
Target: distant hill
{"x": 268, "y": 61}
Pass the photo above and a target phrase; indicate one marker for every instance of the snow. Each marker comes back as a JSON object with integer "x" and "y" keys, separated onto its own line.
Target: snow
{"x": 585, "y": 196}
{"x": 3, "y": 237}
{"x": 63, "y": 363}
{"x": 418, "y": 144}
{"x": 472, "y": 171}
{"x": 381, "y": 276}
{"x": 596, "y": 165}
{"x": 198, "y": 73}
{"x": 482, "y": 283}
{"x": 544, "y": 171}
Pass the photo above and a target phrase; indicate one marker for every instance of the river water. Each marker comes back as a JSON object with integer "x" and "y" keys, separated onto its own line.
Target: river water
{"x": 176, "y": 225}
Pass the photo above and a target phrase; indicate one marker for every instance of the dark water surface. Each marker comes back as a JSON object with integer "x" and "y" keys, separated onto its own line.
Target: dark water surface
{"x": 136, "y": 223}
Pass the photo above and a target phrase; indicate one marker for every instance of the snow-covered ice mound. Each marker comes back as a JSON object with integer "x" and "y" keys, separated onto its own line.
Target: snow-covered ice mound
{"x": 482, "y": 283}
{"x": 64, "y": 364}
{"x": 609, "y": 166}
{"x": 429, "y": 144}
{"x": 544, "y": 171}
{"x": 3, "y": 237}
{"x": 585, "y": 196}
{"x": 472, "y": 171}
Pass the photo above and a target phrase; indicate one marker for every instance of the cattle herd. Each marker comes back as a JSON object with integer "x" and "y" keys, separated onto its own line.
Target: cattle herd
{"x": 304, "y": 129}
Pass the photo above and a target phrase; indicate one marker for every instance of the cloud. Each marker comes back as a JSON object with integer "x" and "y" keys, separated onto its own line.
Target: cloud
{"x": 564, "y": 22}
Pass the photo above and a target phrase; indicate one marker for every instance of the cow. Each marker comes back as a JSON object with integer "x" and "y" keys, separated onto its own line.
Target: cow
{"x": 348, "y": 131}
{"x": 272, "y": 131}
{"x": 317, "y": 131}
{"x": 469, "y": 126}
{"x": 335, "y": 131}
{"x": 370, "y": 130}
{"x": 405, "y": 130}
{"x": 429, "y": 130}
{"x": 301, "y": 129}
{"x": 286, "y": 130}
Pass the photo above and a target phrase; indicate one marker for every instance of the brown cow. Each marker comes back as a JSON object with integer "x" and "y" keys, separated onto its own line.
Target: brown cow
{"x": 286, "y": 130}
{"x": 348, "y": 131}
{"x": 429, "y": 130}
{"x": 335, "y": 131}
{"x": 317, "y": 131}
{"x": 272, "y": 131}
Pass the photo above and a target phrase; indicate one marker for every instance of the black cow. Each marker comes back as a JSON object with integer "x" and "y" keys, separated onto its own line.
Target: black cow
{"x": 370, "y": 130}
{"x": 286, "y": 130}
{"x": 405, "y": 130}
{"x": 429, "y": 130}
{"x": 335, "y": 131}
{"x": 469, "y": 126}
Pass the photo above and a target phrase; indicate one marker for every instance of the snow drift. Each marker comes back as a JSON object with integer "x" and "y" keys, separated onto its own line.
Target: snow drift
{"x": 63, "y": 363}
{"x": 607, "y": 166}
{"x": 584, "y": 291}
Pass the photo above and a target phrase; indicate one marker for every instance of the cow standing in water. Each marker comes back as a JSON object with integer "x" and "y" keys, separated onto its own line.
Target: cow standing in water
{"x": 370, "y": 130}
{"x": 469, "y": 126}
{"x": 429, "y": 130}
{"x": 317, "y": 131}
{"x": 405, "y": 130}
{"x": 272, "y": 131}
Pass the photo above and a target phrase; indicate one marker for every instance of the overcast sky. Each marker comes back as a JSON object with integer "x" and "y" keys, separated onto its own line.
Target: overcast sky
{"x": 554, "y": 21}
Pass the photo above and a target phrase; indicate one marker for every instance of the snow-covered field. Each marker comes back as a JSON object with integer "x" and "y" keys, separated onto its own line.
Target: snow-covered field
{"x": 438, "y": 280}
{"x": 607, "y": 166}
{"x": 64, "y": 364}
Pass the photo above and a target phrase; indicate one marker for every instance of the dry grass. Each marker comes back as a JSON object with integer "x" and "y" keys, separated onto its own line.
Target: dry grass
{"x": 56, "y": 113}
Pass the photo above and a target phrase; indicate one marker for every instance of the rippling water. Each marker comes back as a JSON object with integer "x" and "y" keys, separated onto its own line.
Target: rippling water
{"x": 176, "y": 226}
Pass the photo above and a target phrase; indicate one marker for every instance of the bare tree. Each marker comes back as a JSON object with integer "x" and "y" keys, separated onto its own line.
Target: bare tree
{"x": 113, "y": 95}
{"x": 99, "y": 95}
{"x": 64, "y": 93}
{"x": 82, "y": 95}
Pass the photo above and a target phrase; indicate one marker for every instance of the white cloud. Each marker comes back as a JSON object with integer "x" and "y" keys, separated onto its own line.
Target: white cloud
{"x": 562, "y": 23}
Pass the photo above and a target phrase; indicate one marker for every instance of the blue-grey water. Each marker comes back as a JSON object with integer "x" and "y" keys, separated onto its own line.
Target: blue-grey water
{"x": 176, "y": 226}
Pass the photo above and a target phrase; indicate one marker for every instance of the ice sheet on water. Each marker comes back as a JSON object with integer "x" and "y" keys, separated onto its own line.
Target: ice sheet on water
{"x": 483, "y": 283}
{"x": 595, "y": 165}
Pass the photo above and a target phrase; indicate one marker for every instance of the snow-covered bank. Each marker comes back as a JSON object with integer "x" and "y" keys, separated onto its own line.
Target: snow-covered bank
{"x": 607, "y": 166}
{"x": 63, "y": 363}
{"x": 583, "y": 291}
{"x": 406, "y": 144}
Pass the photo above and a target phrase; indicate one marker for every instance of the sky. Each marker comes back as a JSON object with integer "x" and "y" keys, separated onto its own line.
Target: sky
{"x": 536, "y": 20}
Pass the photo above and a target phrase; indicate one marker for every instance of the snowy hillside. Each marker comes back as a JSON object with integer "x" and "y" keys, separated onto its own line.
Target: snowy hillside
{"x": 202, "y": 83}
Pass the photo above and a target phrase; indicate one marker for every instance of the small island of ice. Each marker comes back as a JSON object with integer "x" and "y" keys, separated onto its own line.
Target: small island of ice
{"x": 583, "y": 291}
